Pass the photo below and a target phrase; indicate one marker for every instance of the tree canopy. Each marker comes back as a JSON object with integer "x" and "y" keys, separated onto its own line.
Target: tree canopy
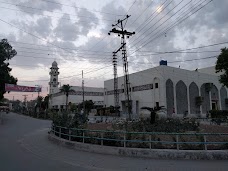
{"x": 66, "y": 89}
{"x": 89, "y": 104}
{"x": 222, "y": 66}
{"x": 6, "y": 53}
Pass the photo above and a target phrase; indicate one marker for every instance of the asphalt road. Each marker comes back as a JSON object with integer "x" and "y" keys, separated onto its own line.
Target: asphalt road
{"x": 24, "y": 147}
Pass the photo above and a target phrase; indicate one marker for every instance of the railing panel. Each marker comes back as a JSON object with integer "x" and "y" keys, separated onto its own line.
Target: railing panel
{"x": 145, "y": 139}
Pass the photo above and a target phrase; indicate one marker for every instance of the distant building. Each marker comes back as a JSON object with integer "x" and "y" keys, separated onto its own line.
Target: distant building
{"x": 180, "y": 91}
{"x": 58, "y": 99}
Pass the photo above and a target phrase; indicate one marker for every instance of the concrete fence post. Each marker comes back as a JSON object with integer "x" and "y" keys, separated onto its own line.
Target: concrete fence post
{"x": 60, "y": 132}
{"x": 69, "y": 134}
{"x": 177, "y": 140}
{"x": 150, "y": 141}
{"x": 205, "y": 142}
{"x": 124, "y": 139}
{"x": 102, "y": 136}
{"x": 83, "y": 137}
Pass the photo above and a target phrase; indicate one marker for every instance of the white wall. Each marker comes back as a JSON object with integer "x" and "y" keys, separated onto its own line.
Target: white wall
{"x": 61, "y": 99}
{"x": 158, "y": 74}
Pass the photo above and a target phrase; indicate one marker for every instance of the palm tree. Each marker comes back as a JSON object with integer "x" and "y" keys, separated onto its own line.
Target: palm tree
{"x": 66, "y": 89}
{"x": 153, "y": 112}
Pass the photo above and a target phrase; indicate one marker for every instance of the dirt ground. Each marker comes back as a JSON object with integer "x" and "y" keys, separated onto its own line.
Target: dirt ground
{"x": 203, "y": 128}
{"x": 213, "y": 129}
{"x": 100, "y": 126}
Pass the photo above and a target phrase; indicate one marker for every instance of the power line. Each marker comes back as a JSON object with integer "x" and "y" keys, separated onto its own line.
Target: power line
{"x": 76, "y": 55}
{"x": 149, "y": 20}
{"x": 169, "y": 29}
{"x": 195, "y": 59}
{"x": 24, "y": 11}
{"x": 61, "y": 47}
{"x": 130, "y": 7}
{"x": 187, "y": 60}
{"x": 162, "y": 53}
{"x": 32, "y": 34}
{"x": 71, "y": 75}
{"x": 150, "y": 52}
{"x": 39, "y": 9}
{"x": 160, "y": 20}
{"x": 142, "y": 13}
{"x": 82, "y": 8}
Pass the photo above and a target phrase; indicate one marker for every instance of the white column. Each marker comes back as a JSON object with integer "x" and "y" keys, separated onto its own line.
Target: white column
{"x": 210, "y": 100}
{"x": 162, "y": 93}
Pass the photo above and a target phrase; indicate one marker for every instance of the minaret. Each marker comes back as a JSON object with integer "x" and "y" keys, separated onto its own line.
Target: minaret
{"x": 54, "y": 78}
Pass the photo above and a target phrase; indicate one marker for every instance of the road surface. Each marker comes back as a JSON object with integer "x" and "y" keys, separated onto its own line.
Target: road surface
{"x": 24, "y": 147}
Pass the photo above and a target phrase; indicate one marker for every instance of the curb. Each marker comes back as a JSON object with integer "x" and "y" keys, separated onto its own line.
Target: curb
{"x": 145, "y": 153}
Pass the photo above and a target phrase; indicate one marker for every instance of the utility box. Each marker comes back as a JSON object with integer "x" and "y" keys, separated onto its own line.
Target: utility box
{"x": 163, "y": 62}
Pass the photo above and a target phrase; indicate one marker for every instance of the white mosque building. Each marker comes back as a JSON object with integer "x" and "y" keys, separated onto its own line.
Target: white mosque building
{"x": 180, "y": 91}
{"x": 58, "y": 99}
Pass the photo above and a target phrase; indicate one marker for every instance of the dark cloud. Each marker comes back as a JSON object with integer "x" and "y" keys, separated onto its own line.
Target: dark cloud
{"x": 70, "y": 31}
{"x": 86, "y": 24}
{"x": 41, "y": 27}
{"x": 38, "y": 6}
{"x": 66, "y": 30}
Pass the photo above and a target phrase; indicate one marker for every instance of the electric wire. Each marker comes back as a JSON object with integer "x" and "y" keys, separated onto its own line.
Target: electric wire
{"x": 146, "y": 43}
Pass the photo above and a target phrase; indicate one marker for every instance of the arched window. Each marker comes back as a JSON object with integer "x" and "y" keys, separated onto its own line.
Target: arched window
{"x": 181, "y": 97}
{"x": 193, "y": 94}
{"x": 169, "y": 97}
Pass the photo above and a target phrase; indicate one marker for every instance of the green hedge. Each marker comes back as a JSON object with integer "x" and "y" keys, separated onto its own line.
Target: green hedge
{"x": 222, "y": 114}
{"x": 219, "y": 116}
{"x": 161, "y": 125}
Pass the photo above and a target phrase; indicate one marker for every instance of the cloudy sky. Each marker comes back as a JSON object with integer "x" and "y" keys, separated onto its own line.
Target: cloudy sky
{"x": 75, "y": 34}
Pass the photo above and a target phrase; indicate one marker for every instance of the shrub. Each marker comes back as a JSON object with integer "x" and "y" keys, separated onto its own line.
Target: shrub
{"x": 222, "y": 114}
{"x": 219, "y": 116}
{"x": 69, "y": 121}
{"x": 161, "y": 125}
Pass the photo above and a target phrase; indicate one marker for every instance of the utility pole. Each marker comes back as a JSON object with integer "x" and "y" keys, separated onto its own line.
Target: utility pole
{"x": 124, "y": 33}
{"x": 83, "y": 94}
{"x": 116, "y": 91}
{"x": 25, "y": 99}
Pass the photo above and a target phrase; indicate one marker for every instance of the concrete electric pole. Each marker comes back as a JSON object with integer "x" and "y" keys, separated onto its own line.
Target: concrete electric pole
{"x": 124, "y": 33}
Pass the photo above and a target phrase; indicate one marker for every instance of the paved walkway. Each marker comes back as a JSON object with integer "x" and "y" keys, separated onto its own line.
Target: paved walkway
{"x": 24, "y": 146}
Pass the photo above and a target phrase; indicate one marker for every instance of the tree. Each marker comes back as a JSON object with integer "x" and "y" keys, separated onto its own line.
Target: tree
{"x": 46, "y": 101}
{"x": 6, "y": 53}
{"x": 153, "y": 112}
{"x": 39, "y": 101}
{"x": 66, "y": 89}
{"x": 222, "y": 66}
{"x": 89, "y": 104}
